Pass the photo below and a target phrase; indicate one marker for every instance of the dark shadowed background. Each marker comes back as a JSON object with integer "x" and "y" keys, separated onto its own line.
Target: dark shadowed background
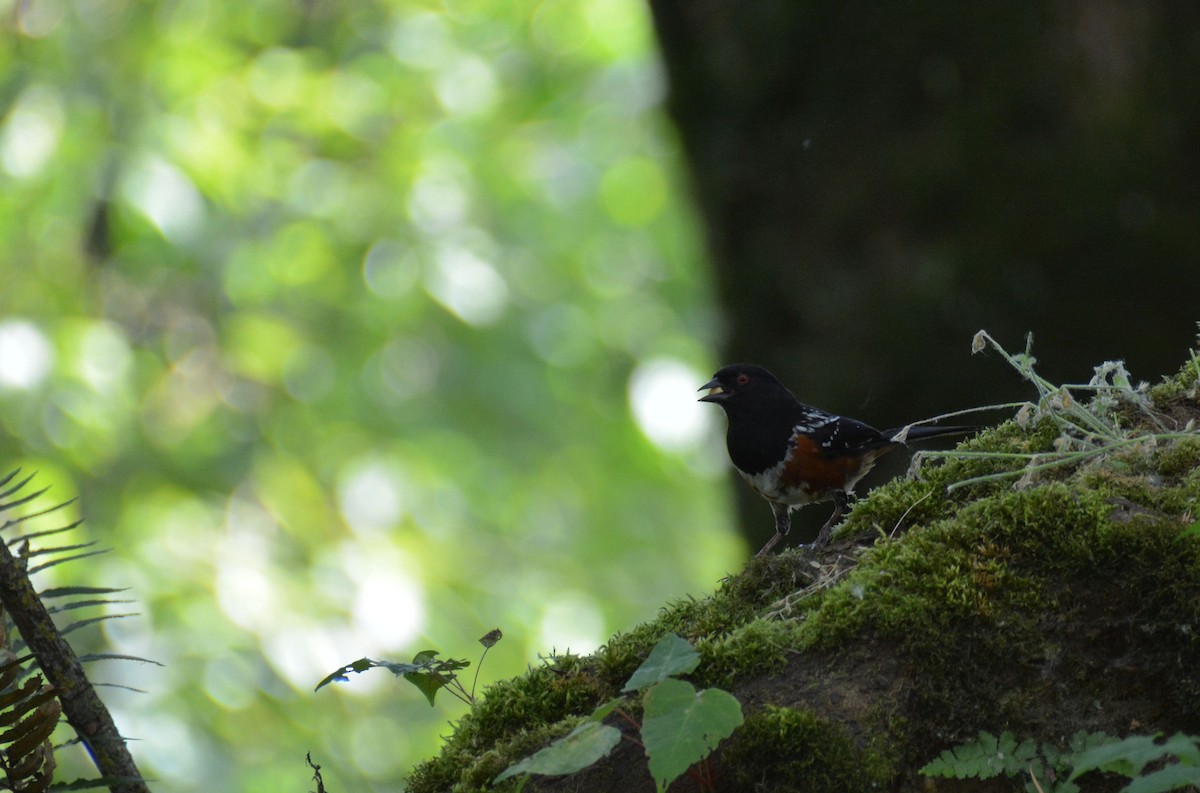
{"x": 878, "y": 181}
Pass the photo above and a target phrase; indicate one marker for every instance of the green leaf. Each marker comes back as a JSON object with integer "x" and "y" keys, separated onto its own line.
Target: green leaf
{"x": 1185, "y": 747}
{"x": 585, "y": 744}
{"x": 671, "y": 656}
{"x": 984, "y": 758}
{"x": 1193, "y": 530}
{"x": 425, "y": 656}
{"x": 682, "y": 726}
{"x": 1171, "y": 777}
{"x": 1083, "y": 740}
{"x": 1127, "y": 757}
{"x": 341, "y": 675}
{"x": 427, "y": 683}
{"x": 606, "y": 708}
{"x": 426, "y": 672}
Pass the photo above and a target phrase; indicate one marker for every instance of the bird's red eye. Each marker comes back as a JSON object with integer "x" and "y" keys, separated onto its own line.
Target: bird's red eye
{"x": 743, "y": 378}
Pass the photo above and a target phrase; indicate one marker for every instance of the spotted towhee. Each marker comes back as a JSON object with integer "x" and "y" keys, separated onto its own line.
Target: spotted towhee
{"x": 793, "y": 454}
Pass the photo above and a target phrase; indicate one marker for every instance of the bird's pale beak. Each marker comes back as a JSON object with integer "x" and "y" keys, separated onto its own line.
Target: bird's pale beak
{"x": 716, "y": 392}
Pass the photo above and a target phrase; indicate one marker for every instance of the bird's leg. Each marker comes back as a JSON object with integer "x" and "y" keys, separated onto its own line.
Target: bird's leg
{"x": 840, "y": 501}
{"x": 783, "y": 524}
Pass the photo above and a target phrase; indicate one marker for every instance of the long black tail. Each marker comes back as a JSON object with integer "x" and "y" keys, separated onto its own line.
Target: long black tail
{"x": 921, "y": 433}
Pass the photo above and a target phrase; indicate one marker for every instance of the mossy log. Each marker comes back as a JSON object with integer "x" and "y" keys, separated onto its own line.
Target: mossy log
{"x": 1041, "y": 605}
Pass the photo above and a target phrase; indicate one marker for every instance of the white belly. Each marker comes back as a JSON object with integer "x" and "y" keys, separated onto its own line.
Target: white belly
{"x": 769, "y": 485}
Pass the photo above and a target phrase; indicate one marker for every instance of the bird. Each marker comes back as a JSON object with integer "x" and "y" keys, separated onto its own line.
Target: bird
{"x": 794, "y": 454}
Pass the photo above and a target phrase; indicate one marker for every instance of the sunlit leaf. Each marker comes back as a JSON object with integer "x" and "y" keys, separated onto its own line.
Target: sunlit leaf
{"x": 341, "y": 675}
{"x": 671, "y": 656}
{"x": 586, "y": 744}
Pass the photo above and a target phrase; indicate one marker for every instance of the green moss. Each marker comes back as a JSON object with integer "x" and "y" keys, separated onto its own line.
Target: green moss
{"x": 718, "y": 619}
{"x": 479, "y": 774}
{"x": 993, "y": 590}
{"x": 724, "y": 627}
{"x": 760, "y": 647}
{"x": 1178, "y": 459}
{"x": 938, "y": 578}
{"x": 944, "y": 627}
{"x": 786, "y": 749}
{"x": 906, "y": 502}
{"x": 1184, "y": 384}
{"x": 511, "y": 708}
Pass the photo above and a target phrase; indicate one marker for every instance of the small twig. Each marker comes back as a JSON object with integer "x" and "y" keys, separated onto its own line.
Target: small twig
{"x": 829, "y": 576}
{"x": 966, "y": 412}
{"x": 316, "y": 772}
{"x": 630, "y": 720}
{"x": 477, "y": 669}
{"x": 911, "y": 506}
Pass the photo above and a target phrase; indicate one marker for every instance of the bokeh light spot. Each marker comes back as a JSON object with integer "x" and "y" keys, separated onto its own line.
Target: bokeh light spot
{"x": 371, "y": 497}
{"x": 390, "y": 269}
{"x": 439, "y": 200}
{"x": 104, "y": 356}
{"x": 422, "y": 41}
{"x": 25, "y": 355}
{"x": 468, "y": 286}
{"x": 390, "y": 607}
{"x": 468, "y": 87}
{"x": 572, "y": 621}
{"x": 662, "y": 395}
{"x": 31, "y": 132}
{"x": 167, "y": 197}
{"x": 389, "y": 602}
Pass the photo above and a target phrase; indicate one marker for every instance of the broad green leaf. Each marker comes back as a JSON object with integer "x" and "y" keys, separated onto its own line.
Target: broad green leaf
{"x": 427, "y": 682}
{"x": 1185, "y": 747}
{"x": 671, "y": 656}
{"x": 682, "y": 726}
{"x": 585, "y": 744}
{"x": 1171, "y": 777}
{"x": 1128, "y": 756}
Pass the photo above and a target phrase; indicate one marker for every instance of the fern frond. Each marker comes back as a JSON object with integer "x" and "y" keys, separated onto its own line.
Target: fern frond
{"x": 74, "y": 626}
{"x": 30, "y": 713}
{"x": 30, "y": 709}
{"x": 18, "y": 486}
{"x": 67, "y": 591}
{"x": 65, "y": 559}
{"x": 25, "y": 500}
{"x": 82, "y": 604}
{"x": 46, "y": 532}
{"x": 117, "y": 657}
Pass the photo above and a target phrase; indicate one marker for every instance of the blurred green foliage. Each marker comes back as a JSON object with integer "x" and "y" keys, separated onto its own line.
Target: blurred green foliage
{"x": 361, "y": 328}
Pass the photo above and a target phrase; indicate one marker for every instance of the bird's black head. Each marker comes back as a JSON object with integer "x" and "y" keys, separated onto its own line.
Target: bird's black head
{"x": 744, "y": 384}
